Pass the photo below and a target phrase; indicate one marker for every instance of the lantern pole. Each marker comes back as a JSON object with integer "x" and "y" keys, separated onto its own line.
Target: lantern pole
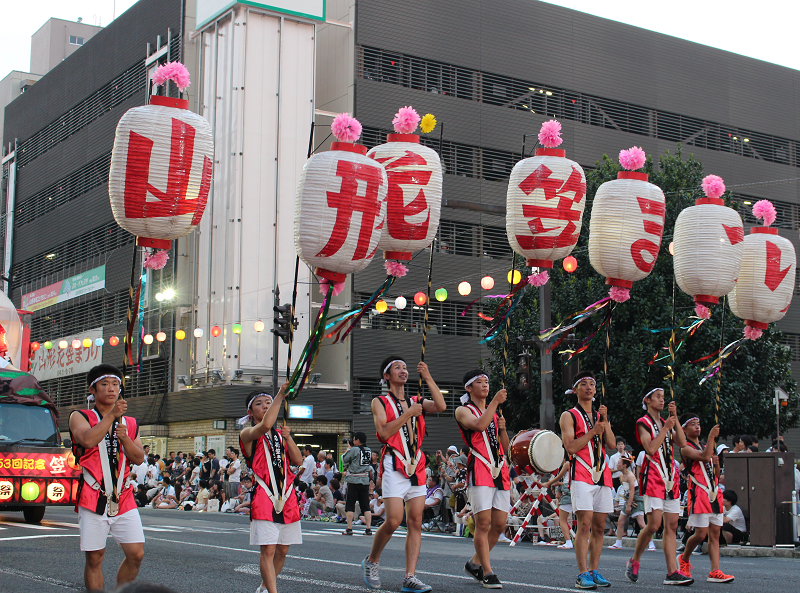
{"x": 719, "y": 371}
{"x": 547, "y": 408}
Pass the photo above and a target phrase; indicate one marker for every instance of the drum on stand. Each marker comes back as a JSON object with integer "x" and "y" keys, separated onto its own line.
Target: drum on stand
{"x": 540, "y": 449}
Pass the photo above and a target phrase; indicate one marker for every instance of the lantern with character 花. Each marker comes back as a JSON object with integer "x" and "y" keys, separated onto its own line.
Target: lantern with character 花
{"x": 161, "y": 168}
{"x": 626, "y": 226}
{"x": 765, "y": 286}
{"x": 545, "y": 203}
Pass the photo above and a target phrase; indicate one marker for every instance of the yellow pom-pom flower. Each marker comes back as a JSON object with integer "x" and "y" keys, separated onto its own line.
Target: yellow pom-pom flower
{"x": 428, "y": 123}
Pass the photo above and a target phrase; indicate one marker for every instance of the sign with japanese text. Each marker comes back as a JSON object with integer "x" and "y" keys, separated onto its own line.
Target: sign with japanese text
{"x": 58, "y": 362}
{"x": 36, "y": 477}
{"x": 69, "y": 288}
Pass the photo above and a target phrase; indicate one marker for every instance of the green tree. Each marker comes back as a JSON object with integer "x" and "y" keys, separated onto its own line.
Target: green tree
{"x": 748, "y": 377}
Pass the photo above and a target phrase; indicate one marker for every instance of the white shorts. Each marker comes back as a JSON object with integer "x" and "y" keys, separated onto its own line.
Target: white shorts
{"x": 651, "y": 503}
{"x": 704, "y": 519}
{"x": 483, "y": 498}
{"x": 592, "y": 497}
{"x": 396, "y": 485}
{"x": 567, "y": 508}
{"x": 269, "y": 533}
{"x": 126, "y": 529}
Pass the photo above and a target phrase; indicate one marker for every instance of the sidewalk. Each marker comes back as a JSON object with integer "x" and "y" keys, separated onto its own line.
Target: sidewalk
{"x": 730, "y": 551}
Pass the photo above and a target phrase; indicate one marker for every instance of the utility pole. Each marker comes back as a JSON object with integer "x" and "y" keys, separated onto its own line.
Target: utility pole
{"x": 275, "y": 338}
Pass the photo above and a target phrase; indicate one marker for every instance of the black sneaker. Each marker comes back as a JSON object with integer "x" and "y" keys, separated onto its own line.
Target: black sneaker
{"x": 474, "y": 570}
{"x": 490, "y": 581}
{"x": 368, "y": 531}
{"x": 678, "y": 578}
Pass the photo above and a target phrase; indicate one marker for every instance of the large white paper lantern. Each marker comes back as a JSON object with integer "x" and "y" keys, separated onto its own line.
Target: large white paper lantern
{"x": 161, "y": 169}
{"x": 339, "y": 211}
{"x": 765, "y": 286}
{"x": 709, "y": 243}
{"x": 626, "y": 226}
{"x": 545, "y": 202}
{"x": 413, "y": 197}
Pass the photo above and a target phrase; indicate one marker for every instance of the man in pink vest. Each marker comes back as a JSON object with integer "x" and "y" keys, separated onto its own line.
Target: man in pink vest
{"x": 585, "y": 434}
{"x": 107, "y": 443}
{"x": 489, "y": 485}
{"x": 400, "y": 424}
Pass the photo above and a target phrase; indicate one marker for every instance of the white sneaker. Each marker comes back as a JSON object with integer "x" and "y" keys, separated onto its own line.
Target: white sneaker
{"x": 615, "y": 546}
{"x": 566, "y": 546}
{"x": 651, "y": 547}
{"x": 503, "y": 539}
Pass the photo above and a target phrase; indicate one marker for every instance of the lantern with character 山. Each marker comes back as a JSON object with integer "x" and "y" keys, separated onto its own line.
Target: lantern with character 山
{"x": 414, "y": 193}
{"x": 708, "y": 247}
{"x": 765, "y": 286}
{"x": 340, "y": 207}
{"x": 545, "y": 203}
{"x": 626, "y": 226}
{"x": 161, "y": 168}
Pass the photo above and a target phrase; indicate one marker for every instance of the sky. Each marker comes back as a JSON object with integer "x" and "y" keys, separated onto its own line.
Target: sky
{"x": 765, "y": 31}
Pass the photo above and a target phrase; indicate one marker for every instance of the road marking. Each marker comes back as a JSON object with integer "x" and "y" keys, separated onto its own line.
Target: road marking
{"x": 41, "y": 579}
{"x": 28, "y": 526}
{"x": 342, "y": 563}
{"x": 73, "y": 525}
{"x": 8, "y": 539}
{"x": 158, "y": 529}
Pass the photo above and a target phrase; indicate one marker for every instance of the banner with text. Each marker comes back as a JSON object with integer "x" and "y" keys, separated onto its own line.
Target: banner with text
{"x": 67, "y": 289}
{"x": 58, "y": 362}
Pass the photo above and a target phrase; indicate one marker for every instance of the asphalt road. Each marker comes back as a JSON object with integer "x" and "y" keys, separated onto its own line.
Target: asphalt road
{"x": 198, "y": 553}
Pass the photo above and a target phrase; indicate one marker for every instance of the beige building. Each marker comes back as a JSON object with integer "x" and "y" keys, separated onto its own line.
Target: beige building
{"x": 56, "y": 40}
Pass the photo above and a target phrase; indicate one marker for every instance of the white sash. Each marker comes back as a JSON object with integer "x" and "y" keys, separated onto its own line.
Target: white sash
{"x": 112, "y": 501}
{"x": 405, "y": 456}
{"x": 278, "y": 498}
{"x": 494, "y": 468}
{"x": 711, "y": 492}
{"x": 596, "y": 474}
{"x": 661, "y": 466}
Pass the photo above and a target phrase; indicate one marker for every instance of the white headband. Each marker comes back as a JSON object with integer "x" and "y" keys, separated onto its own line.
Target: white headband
{"x": 243, "y": 420}
{"x": 387, "y": 367}
{"x": 574, "y": 385}
{"x": 689, "y": 420}
{"x": 475, "y": 378}
{"x": 648, "y": 394}
{"x": 101, "y": 377}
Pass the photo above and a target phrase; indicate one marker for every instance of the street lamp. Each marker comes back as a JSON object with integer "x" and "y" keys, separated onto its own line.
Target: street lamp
{"x": 781, "y": 399}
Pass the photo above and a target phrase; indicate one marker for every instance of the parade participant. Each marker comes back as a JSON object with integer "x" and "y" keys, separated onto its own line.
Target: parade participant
{"x": 561, "y": 481}
{"x": 659, "y": 483}
{"x": 274, "y": 510}
{"x": 106, "y": 442}
{"x": 488, "y": 483}
{"x": 703, "y": 502}
{"x": 356, "y": 460}
{"x": 631, "y": 502}
{"x": 400, "y": 425}
{"x": 585, "y": 434}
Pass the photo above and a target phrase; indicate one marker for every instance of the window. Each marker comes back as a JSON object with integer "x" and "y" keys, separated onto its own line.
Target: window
{"x": 74, "y": 40}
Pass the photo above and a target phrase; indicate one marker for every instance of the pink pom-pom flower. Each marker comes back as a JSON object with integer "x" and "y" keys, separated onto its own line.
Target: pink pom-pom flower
{"x": 346, "y": 128}
{"x": 395, "y": 269}
{"x": 713, "y": 186}
{"x": 619, "y": 294}
{"x": 174, "y": 71}
{"x": 752, "y": 333}
{"x": 702, "y": 311}
{"x": 764, "y": 210}
{"x": 324, "y": 283}
{"x": 633, "y": 158}
{"x": 539, "y": 279}
{"x": 156, "y": 261}
{"x": 550, "y": 134}
{"x": 406, "y": 120}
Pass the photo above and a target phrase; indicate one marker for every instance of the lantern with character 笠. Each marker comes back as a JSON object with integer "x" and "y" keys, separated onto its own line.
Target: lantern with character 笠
{"x": 544, "y": 204}
{"x": 765, "y": 286}
{"x": 626, "y": 226}
{"x": 161, "y": 168}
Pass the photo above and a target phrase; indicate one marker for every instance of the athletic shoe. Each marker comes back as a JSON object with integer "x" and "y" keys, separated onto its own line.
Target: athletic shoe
{"x": 261, "y": 589}
{"x": 542, "y": 542}
{"x": 347, "y": 531}
{"x": 372, "y": 575}
{"x": 632, "y": 570}
{"x": 368, "y": 531}
{"x": 677, "y": 578}
{"x": 413, "y": 585}
{"x": 719, "y": 577}
{"x": 684, "y": 566}
{"x": 566, "y": 546}
{"x": 598, "y": 579}
{"x": 615, "y": 546}
{"x": 490, "y": 581}
{"x": 503, "y": 539}
{"x": 476, "y": 573}
{"x": 585, "y": 581}
{"x": 652, "y": 547}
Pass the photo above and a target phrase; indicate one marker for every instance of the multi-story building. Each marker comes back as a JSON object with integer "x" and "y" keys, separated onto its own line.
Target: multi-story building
{"x": 489, "y": 71}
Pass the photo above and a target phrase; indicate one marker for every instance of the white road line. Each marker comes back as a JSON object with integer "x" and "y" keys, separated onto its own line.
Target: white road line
{"x": 27, "y": 526}
{"x": 342, "y": 563}
{"x": 41, "y": 579}
{"x": 73, "y": 525}
{"x": 158, "y": 529}
{"x": 8, "y": 539}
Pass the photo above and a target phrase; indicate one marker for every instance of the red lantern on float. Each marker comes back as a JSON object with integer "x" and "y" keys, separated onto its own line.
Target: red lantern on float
{"x": 113, "y": 341}
{"x": 626, "y": 226}
{"x": 545, "y": 202}
{"x": 420, "y": 299}
{"x": 161, "y": 168}
{"x": 35, "y": 346}
{"x": 340, "y": 207}
{"x": 216, "y": 331}
{"x": 570, "y": 264}
{"x": 414, "y": 194}
{"x": 765, "y": 286}
{"x": 708, "y": 246}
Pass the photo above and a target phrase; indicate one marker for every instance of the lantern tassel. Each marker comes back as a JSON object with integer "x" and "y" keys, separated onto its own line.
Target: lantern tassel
{"x": 395, "y": 269}
{"x": 539, "y": 279}
{"x": 752, "y": 333}
{"x": 346, "y": 128}
{"x": 406, "y": 120}
{"x": 633, "y": 158}
{"x": 324, "y": 284}
{"x": 619, "y": 294}
{"x": 157, "y": 260}
{"x": 550, "y": 134}
{"x": 764, "y": 210}
{"x": 174, "y": 71}
{"x": 702, "y": 311}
